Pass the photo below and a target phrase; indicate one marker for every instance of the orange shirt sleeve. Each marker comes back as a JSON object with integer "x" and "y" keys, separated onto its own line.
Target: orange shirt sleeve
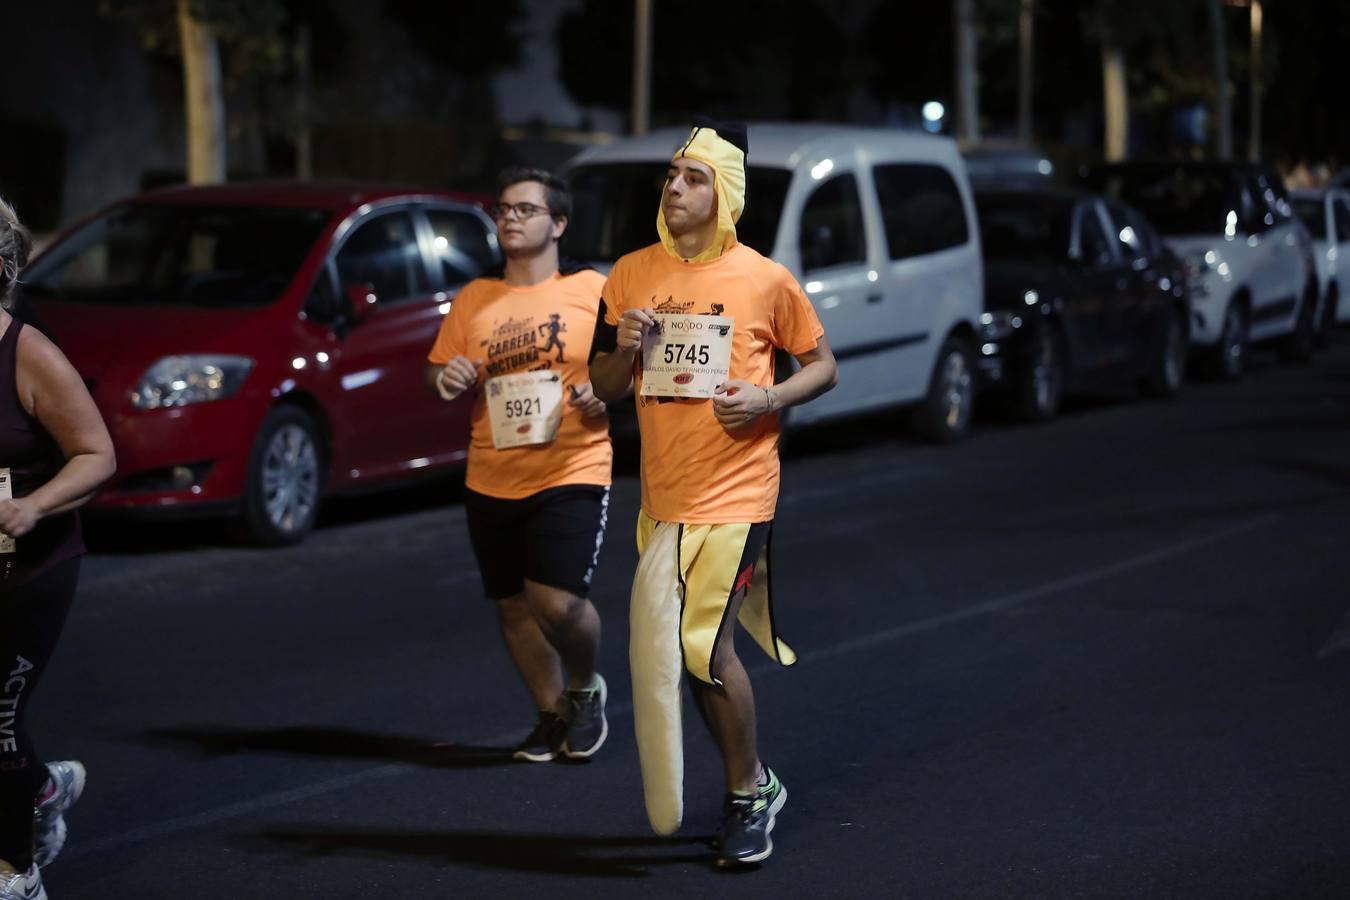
{"x": 796, "y": 327}
{"x": 450, "y": 340}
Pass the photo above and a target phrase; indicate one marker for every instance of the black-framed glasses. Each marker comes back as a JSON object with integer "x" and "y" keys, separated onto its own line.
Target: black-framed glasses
{"x": 522, "y": 211}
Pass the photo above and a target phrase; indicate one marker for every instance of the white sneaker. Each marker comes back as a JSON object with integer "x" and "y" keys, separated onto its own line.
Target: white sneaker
{"x": 49, "y": 816}
{"x": 23, "y": 886}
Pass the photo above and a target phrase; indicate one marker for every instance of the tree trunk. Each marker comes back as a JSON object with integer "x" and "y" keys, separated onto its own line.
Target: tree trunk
{"x": 1254, "y": 140}
{"x": 1117, "y": 103}
{"x": 967, "y": 73}
{"x": 1025, "y": 69}
{"x": 304, "y": 128}
{"x": 1223, "y": 104}
{"x": 205, "y": 99}
{"x": 642, "y": 66}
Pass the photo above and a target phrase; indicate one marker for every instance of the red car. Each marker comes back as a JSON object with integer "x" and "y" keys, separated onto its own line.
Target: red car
{"x": 254, "y": 347}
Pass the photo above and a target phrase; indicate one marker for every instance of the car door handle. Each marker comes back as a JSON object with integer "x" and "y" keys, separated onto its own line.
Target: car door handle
{"x": 875, "y": 298}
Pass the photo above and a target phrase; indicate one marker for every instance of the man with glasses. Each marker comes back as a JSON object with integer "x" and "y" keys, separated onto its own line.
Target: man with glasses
{"x": 695, "y": 319}
{"x": 537, "y": 487}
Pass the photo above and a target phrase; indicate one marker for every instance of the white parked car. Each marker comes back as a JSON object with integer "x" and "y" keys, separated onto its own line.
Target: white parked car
{"x": 1327, "y": 217}
{"x": 877, "y": 225}
{"x": 1250, "y": 259}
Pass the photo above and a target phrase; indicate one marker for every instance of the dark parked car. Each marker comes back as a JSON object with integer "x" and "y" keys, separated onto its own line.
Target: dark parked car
{"x": 1079, "y": 290}
{"x": 253, "y": 347}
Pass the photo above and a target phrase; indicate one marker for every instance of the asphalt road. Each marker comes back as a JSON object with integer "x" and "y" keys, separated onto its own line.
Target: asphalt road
{"x": 1107, "y": 657}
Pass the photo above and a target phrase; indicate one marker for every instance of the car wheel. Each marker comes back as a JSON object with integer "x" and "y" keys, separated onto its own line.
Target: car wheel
{"x": 1040, "y": 386}
{"x": 1169, "y": 368}
{"x": 285, "y": 478}
{"x": 1228, "y": 359}
{"x": 1297, "y": 346}
{"x": 945, "y": 413}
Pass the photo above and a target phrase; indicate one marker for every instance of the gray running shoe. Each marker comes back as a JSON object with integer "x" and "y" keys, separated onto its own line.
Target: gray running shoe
{"x": 747, "y": 822}
{"x": 545, "y": 742}
{"x": 587, "y": 726}
{"x": 49, "y": 816}
{"x": 23, "y": 885}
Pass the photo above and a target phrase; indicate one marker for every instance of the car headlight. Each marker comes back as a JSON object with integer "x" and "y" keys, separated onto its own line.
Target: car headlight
{"x": 995, "y": 326}
{"x": 180, "y": 380}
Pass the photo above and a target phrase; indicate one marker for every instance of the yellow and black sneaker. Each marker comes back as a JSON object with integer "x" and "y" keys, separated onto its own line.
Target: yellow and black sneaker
{"x": 747, "y": 821}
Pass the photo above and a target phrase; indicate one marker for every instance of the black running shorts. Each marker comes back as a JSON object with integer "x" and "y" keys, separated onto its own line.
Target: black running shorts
{"x": 552, "y": 537}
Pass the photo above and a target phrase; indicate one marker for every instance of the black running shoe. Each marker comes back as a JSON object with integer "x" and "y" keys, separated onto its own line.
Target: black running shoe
{"x": 545, "y": 742}
{"x": 747, "y": 821}
{"x": 587, "y": 726}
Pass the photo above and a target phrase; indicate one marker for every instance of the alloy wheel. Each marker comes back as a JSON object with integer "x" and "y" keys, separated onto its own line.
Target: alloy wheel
{"x": 290, "y": 478}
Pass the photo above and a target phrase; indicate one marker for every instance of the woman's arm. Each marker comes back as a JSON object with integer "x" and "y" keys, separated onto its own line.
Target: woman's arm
{"x": 53, "y": 393}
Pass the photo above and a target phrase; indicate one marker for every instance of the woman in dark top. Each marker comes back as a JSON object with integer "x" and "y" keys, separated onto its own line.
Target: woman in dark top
{"x": 54, "y": 453}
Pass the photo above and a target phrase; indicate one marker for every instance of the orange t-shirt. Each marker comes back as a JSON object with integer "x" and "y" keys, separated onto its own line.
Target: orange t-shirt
{"x": 523, "y": 329}
{"x": 694, "y": 471}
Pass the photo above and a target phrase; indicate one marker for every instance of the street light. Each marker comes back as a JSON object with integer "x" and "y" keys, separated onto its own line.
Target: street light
{"x": 933, "y": 114}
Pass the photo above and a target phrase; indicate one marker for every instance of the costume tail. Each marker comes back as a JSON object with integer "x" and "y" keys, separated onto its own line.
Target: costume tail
{"x": 657, "y": 665}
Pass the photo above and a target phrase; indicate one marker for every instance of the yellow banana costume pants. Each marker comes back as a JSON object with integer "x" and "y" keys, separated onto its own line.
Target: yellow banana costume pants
{"x": 685, "y": 579}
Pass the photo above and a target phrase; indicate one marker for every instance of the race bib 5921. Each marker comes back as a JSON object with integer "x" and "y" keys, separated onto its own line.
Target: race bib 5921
{"x": 524, "y": 408}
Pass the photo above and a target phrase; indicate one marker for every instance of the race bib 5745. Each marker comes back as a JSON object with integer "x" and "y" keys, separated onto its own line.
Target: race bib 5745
{"x": 686, "y": 356}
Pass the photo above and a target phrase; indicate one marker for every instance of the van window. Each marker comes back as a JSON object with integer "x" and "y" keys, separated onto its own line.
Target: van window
{"x": 832, "y": 226}
{"x": 383, "y": 253}
{"x": 614, "y": 208}
{"x": 922, "y": 209}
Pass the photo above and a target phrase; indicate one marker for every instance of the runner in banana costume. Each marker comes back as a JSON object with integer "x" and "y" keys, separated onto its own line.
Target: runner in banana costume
{"x": 693, "y": 321}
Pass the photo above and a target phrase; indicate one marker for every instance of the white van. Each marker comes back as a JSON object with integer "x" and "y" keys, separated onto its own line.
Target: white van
{"x": 877, "y": 225}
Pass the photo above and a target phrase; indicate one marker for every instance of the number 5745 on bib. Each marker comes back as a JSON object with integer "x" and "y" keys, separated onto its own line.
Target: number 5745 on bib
{"x": 687, "y": 356}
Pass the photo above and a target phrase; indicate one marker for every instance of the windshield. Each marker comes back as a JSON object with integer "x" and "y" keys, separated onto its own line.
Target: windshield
{"x": 1311, "y": 213}
{"x": 1023, "y": 229}
{"x": 615, "y": 205}
{"x": 174, "y": 255}
{"x": 1178, "y": 201}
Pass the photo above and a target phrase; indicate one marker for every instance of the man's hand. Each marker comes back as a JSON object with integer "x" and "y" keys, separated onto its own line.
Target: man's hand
{"x": 633, "y": 327}
{"x": 581, "y": 396}
{"x": 17, "y": 517}
{"x": 738, "y": 403}
{"x": 457, "y": 376}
